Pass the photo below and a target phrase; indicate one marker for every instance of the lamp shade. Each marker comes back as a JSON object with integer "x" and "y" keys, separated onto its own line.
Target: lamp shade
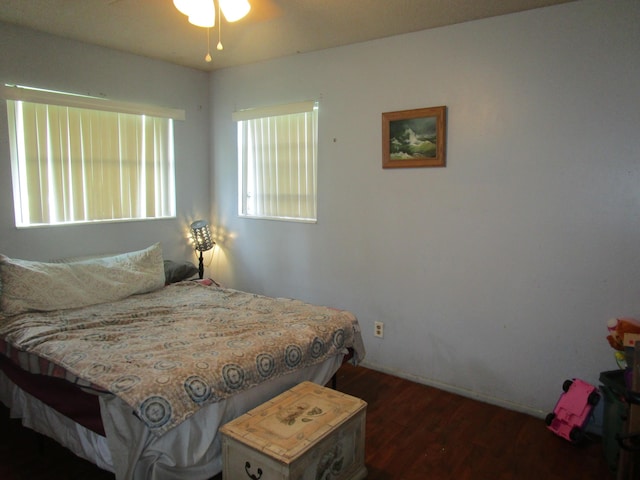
{"x": 234, "y": 10}
{"x": 201, "y": 236}
{"x": 183, "y": 6}
{"x": 201, "y": 13}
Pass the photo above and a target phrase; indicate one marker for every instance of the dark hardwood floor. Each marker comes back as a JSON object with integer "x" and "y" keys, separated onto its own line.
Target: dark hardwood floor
{"x": 414, "y": 432}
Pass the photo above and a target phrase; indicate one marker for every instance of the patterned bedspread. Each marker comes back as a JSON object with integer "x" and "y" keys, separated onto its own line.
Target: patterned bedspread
{"x": 169, "y": 352}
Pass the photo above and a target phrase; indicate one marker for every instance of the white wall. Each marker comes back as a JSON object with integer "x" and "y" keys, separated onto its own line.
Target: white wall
{"x": 35, "y": 59}
{"x": 495, "y": 275}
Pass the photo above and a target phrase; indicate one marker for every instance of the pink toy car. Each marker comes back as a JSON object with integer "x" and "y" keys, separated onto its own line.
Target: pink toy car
{"x": 573, "y": 410}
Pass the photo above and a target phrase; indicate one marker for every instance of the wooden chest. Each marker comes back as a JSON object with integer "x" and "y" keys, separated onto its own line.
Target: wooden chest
{"x": 307, "y": 433}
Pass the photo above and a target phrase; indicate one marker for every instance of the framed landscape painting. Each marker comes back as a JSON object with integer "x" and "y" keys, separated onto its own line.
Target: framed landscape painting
{"x": 414, "y": 138}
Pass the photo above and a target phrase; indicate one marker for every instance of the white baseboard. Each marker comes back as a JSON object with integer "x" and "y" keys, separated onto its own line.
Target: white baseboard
{"x": 458, "y": 390}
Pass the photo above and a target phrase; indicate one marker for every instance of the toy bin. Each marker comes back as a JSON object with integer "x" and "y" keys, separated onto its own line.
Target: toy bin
{"x": 616, "y": 410}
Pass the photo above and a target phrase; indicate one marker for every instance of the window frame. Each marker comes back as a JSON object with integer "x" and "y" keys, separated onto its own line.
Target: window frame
{"x": 144, "y": 115}
{"x": 309, "y": 164}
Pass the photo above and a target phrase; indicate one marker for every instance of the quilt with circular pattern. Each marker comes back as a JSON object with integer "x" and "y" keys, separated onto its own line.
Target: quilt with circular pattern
{"x": 169, "y": 352}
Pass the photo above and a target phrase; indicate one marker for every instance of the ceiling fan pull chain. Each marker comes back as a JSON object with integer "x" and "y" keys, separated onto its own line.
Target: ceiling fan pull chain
{"x": 207, "y": 57}
{"x": 219, "y": 46}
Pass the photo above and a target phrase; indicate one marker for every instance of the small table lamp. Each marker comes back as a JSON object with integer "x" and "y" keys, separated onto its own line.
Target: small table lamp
{"x": 202, "y": 241}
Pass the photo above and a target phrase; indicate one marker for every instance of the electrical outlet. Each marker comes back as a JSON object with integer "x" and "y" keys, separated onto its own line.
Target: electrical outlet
{"x": 378, "y": 329}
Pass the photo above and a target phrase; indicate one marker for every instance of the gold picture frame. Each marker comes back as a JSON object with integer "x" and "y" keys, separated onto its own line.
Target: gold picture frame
{"x": 414, "y": 138}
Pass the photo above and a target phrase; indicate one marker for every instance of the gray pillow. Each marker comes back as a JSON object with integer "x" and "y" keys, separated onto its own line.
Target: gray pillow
{"x": 178, "y": 271}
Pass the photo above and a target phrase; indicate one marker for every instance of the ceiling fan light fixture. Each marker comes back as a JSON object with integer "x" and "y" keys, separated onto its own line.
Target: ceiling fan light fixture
{"x": 234, "y": 10}
{"x": 204, "y": 14}
{"x": 201, "y": 13}
{"x": 183, "y": 6}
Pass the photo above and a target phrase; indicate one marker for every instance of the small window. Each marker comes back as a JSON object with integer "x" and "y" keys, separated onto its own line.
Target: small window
{"x": 80, "y": 159}
{"x": 277, "y": 162}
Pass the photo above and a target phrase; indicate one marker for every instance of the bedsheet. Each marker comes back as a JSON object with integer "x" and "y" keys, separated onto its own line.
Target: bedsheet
{"x": 191, "y": 450}
{"x": 170, "y": 352}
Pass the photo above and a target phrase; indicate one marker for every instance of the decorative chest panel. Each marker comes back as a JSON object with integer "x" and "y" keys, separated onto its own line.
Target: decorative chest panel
{"x": 307, "y": 433}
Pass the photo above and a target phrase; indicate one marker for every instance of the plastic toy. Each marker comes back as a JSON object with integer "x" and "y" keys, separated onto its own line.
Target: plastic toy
{"x": 617, "y": 328}
{"x": 573, "y": 410}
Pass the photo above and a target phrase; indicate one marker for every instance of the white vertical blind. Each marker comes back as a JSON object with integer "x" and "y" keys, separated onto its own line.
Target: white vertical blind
{"x": 278, "y": 162}
{"x": 73, "y": 164}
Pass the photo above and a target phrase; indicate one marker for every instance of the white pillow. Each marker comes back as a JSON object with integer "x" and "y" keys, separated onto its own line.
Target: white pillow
{"x": 28, "y": 285}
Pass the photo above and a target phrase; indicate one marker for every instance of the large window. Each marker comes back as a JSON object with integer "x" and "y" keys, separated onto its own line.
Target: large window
{"x": 277, "y": 162}
{"x": 79, "y": 159}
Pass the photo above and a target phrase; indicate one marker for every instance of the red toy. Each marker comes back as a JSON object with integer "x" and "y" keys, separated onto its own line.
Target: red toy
{"x": 573, "y": 410}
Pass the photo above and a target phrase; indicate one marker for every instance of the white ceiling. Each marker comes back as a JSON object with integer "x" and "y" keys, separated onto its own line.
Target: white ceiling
{"x": 273, "y": 28}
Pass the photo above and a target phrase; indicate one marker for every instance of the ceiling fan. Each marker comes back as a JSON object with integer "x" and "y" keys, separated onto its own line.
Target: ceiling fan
{"x": 202, "y": 13}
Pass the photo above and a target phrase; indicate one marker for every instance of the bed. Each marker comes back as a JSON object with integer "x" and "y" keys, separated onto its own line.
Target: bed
{"x": 136, "y": 375}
